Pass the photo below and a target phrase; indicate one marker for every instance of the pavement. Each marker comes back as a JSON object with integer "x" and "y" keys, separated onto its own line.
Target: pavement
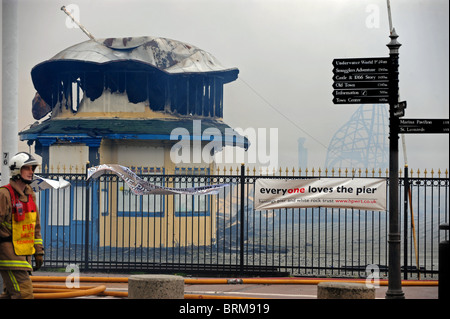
{"x": 240, "y": 291}
{"x": 301, "y": 291}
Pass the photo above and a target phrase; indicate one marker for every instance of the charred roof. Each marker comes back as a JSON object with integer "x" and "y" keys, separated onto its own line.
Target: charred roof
{"x": 154, "y": 68}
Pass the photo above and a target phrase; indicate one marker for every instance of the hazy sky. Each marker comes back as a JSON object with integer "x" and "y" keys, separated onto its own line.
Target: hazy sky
{"x": 283, "y": 49}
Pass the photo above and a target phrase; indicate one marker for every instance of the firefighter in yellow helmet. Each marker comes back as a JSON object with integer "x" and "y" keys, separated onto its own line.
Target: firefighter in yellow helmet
{"x": 20, "y": 229}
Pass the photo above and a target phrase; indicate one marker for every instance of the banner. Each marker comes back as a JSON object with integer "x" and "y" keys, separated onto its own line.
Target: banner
{"x": 39, "y": 183}
{"x": 357, "y": 193}
{"x": 141, "y": 187}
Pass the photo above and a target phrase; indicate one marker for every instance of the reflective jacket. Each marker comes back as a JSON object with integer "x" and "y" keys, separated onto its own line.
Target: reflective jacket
{"x": 20, "y": 237}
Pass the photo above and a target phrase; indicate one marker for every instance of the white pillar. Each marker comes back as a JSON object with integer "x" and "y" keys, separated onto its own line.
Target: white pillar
{"x": 10, "y": 85}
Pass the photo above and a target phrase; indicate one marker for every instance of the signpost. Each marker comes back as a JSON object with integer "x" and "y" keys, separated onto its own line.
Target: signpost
{"x": 394, "y": 239}
{"x": 360, "y": 84}
{"x": 399, "y": 109}
{"x": 375, "y": 80}
{"x": 423, "y": 126}
{"x": 360, "y": 81}
{"x": 361, "y": 96}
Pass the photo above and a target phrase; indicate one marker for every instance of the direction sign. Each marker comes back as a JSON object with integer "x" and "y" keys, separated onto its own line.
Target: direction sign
{"x": 361, "y": 92}
{"x": 360, "y": 85}
{"x": 361, "y": 80}
{"x": 360, "y": 70}
{"x": 361, "y": 77}
{"x": 422, "y": 126}
{"x": 361, "y": 66}
{"x": 361, "y": 100}
{"x": 358, "y": 62}
{"x": 399, "y": 109}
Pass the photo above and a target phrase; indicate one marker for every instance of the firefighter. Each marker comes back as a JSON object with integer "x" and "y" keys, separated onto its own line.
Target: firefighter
{"x": 20, "y": 229}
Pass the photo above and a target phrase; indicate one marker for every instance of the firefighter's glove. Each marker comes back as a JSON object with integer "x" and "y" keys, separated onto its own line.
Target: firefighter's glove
{"x": 39, "y": 260}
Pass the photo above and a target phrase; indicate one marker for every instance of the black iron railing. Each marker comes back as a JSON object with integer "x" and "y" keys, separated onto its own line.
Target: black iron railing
{"x": 103, "y": 226}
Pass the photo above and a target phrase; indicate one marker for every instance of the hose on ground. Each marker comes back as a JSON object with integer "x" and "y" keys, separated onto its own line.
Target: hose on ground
{"x": 72, "y": 293}
{"x": 245, "y": 281}
{"x": 45, "y": 291}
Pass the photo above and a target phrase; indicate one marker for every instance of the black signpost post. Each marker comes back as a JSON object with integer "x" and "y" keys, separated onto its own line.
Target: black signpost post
{"x": 394, "y": 238}
{"x": 375, "y": 80}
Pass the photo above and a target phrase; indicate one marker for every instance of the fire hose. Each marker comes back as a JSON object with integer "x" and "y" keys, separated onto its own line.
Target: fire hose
{"x": 45, "y": 291}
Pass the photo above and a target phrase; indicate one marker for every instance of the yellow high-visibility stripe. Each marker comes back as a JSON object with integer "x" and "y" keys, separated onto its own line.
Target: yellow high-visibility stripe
{"x": 15, "y": 263}
{"x": 14, "y": 281}
{"x": 7, "y": 225}
{"x": 38, "y": 241}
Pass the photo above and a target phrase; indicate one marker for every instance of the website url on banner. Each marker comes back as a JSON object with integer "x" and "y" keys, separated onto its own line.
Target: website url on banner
{"x": 356, "y": 201}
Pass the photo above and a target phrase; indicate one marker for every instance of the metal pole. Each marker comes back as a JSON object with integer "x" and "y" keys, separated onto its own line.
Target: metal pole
{"x": 63, "y": 8}
{"x": 389, "y": 15}
{"x": 405, "y": 223}
{"x": 395, "y": 281}
{"x": 444, "y": 266}
{"x": 242, "y": 220}
{"x": 86, "y": 221}
{"x": 10, "y": 85}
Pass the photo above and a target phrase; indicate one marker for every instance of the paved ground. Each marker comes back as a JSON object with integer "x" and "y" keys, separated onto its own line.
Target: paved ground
{"x": 296, "y": 291}
{"x": 263, "y": 291}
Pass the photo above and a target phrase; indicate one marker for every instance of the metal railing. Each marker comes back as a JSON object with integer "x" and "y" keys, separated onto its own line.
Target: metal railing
{"x": 102, "y": 226}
